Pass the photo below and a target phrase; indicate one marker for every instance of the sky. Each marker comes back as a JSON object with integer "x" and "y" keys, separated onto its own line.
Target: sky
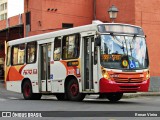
{"x": 15, "y": 7}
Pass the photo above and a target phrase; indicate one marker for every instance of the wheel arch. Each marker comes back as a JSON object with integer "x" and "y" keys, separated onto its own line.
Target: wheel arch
{"x": 68, "y": 78}
{"x": 25, "y": 79}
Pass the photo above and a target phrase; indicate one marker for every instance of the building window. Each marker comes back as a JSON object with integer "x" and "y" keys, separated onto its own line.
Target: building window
{"x": 31, "y": 52}
{"x": 1, "y": 7}
{"x": 71, "y": 45}
{"x": 67, "y": 25}
{"x": 5, "y": 6}
{"x": 57, "y": 48}
{"x": 18, "y": 54}
{"x": 2, "y": 17}
{"x": 5, "y": 16}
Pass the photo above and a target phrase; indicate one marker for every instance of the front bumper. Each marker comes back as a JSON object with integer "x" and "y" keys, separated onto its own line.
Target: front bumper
{"x": 112, "y": 86}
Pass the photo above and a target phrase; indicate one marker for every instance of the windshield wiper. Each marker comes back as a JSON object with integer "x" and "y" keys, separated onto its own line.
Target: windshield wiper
{"x": 130, "y": 43}
{"x": 121, "y": 46}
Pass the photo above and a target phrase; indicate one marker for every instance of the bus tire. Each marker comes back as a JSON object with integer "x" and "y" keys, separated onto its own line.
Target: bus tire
{"x": 61, "y": 96}
{"x": 27, "y": 91}
{"x": 114, "y": 97}
{"x": 72, "y": 91}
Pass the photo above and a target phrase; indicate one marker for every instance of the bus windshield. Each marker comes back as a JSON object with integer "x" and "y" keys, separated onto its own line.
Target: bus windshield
{"x": 124, "y": 52}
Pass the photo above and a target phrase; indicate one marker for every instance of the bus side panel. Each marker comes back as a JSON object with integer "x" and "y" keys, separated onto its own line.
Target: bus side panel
{"x": 14, "y": 78}
{"x": 14, "y": 86}
{"x": 58, "y": 71}
{"x": 16, "y": 74}
{"x": 98, "y": 70}
{"x": 30, "y": 71}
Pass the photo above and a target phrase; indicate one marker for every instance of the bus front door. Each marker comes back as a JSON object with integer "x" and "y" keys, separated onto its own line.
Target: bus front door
{"x": 44, "y": 67}
{"x": 87, "y": 63}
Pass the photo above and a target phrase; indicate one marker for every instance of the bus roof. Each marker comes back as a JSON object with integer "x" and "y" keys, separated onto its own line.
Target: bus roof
{"x": 90, "y": 27}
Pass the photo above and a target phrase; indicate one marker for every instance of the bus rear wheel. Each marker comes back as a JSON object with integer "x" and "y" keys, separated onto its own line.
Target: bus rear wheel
{"x": 114, "y": 97}
{"x": 27, "y": 91}
{"x": 72, "y": 91}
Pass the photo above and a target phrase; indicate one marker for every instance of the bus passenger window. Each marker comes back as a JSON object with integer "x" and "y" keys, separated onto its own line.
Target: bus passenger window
{"x": 71, "y": 47}
{"x": 18, "y": 54}
{"x": 57, "y": 49}
{"x": 8, "y": 56}
{"x": 31, "y": 52}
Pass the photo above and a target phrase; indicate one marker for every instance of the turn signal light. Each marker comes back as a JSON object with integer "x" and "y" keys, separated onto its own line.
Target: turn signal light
{"x": 105, "y": 74}
{"x": 147, "y": 75}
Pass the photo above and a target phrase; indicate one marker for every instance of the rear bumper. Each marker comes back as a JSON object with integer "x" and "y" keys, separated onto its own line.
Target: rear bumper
{"x": 111, "y": 86}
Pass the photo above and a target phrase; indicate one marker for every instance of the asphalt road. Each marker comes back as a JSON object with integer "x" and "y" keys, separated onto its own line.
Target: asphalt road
{"x": 10, "y": 101}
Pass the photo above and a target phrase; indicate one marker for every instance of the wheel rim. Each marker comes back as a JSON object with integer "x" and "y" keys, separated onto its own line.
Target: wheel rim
{"x": 74, "y": 89}
{"x": 27, "y": 90}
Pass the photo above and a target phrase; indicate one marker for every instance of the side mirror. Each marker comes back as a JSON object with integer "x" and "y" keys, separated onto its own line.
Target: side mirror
{"x": 98, "y": 41}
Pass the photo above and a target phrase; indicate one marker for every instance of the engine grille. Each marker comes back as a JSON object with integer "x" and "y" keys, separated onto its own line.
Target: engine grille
{"x": 128, "y": 80}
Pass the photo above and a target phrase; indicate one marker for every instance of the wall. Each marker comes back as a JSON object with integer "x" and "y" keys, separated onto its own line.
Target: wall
{"x": 126, "y": 10}
{"x": 78, "y": 12}
{"x": 147, "y": 16}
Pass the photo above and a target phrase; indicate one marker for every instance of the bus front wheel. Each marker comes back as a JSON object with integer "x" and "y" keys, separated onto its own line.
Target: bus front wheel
{"x": 114, "y": 97}
{"x": 27, "y": 91}
{"x": 72, "y": 91}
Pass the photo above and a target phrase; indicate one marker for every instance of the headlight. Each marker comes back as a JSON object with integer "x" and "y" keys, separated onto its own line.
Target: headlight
{"x": 147, "y": 75}
{"x": 105, "y": 74}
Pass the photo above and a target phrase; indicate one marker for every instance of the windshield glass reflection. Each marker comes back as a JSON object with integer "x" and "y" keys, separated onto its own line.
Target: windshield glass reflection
{"x": 123, "y": 52}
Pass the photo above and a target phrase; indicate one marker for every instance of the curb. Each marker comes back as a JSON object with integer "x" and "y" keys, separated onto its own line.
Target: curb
{"x": 132, "y": 95}
{"x": 128, "y": 95}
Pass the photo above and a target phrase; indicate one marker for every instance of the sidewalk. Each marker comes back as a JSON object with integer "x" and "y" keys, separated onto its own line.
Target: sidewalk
{"x": 129, "y": 95}
{"x": 138, "y": 94}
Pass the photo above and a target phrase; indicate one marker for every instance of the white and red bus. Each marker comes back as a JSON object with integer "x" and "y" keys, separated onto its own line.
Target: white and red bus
{"x": 101, "y": 58}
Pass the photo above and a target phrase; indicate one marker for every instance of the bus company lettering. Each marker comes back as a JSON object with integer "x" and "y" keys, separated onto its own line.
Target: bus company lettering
{"x": 30, "y": 72}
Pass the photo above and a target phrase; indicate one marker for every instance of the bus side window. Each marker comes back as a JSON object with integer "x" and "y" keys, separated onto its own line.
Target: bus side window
{"x": 71, "y": 45}
{"x": 31, "y": 52}
{"x": 8, "y": 56}
{"x": 21, "y": 54}
{"x": 18, "y": 54}
{"x": 57, "y": 49}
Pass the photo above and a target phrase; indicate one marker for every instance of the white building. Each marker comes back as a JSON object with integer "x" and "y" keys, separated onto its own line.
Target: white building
{"x": 3, "y": 9}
